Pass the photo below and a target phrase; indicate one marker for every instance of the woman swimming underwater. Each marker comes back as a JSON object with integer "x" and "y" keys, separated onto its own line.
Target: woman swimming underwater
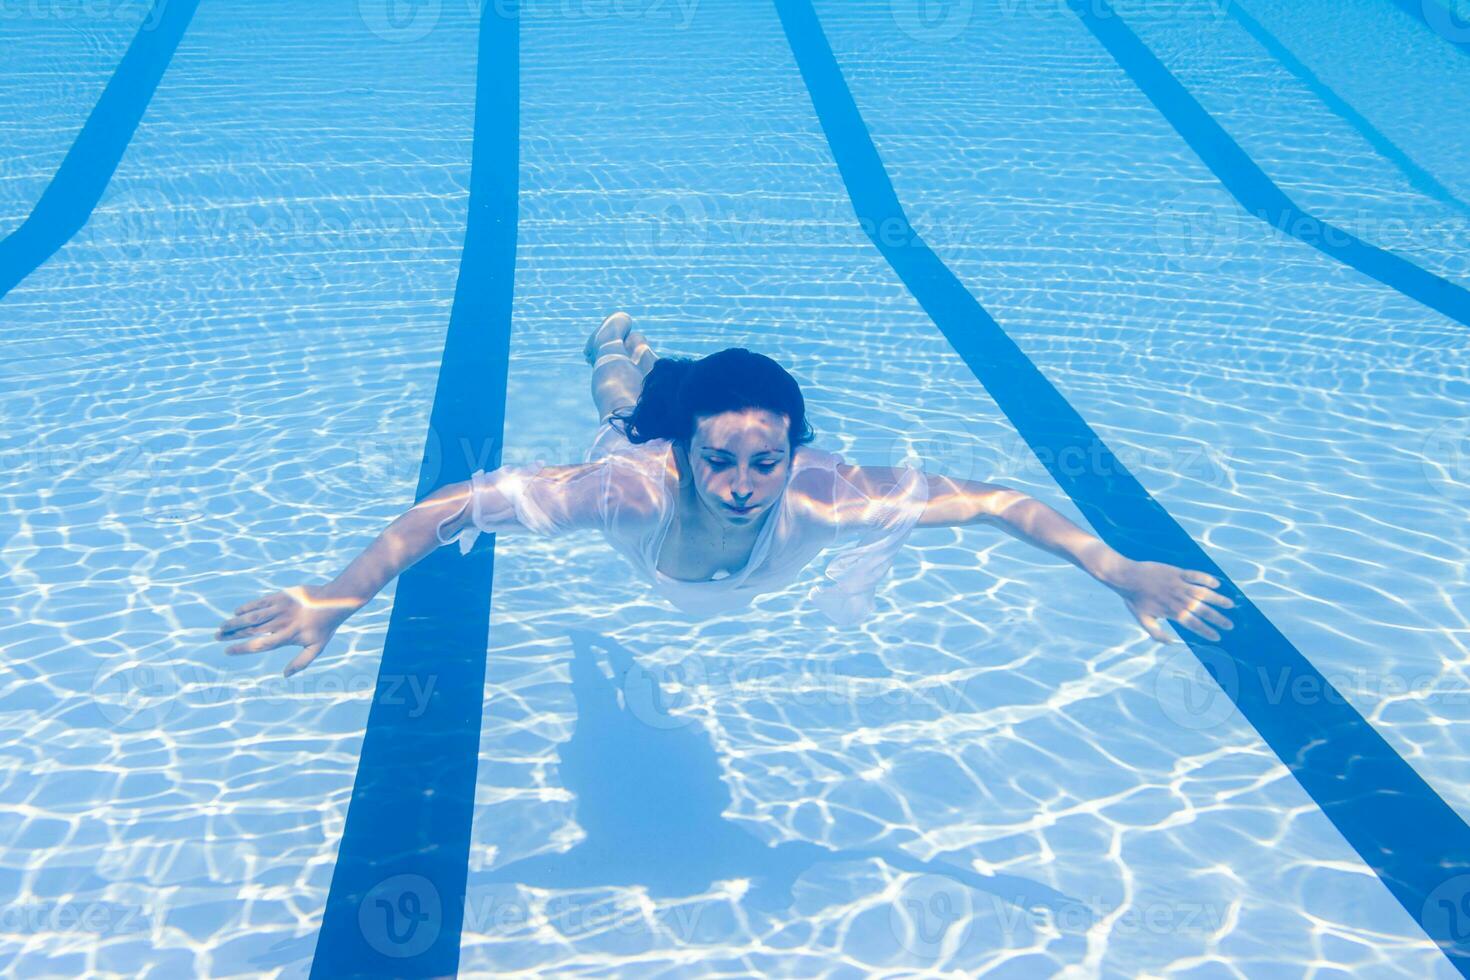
{"x": 702, "y": 476}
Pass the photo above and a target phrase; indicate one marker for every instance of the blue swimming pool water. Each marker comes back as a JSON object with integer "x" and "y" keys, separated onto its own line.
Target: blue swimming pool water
{"x": 281, "y": 317}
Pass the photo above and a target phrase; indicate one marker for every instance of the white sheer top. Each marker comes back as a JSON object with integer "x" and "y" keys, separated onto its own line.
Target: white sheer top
{"x": 632, "y": 492}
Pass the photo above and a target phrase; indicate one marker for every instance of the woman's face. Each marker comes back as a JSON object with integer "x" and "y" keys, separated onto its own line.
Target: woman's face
{"x": 740, "y": 458}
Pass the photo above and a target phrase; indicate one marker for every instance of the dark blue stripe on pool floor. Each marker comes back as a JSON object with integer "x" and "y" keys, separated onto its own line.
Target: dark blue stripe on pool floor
{"x": 1454, "y": 29}
{"x": 1247, "y": 183}
{"x": 68, "y": 201}
{"x": 396, "y": 905}
{"x": 1419, "y": 178}
{"x": 1410, "y": 837}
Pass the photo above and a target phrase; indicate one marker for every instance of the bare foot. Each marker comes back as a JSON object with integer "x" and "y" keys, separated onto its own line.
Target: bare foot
{"x": 615, "y": 327}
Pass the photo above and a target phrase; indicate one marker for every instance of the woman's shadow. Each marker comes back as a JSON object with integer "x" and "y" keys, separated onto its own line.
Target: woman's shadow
{"x": 650, "y": 798}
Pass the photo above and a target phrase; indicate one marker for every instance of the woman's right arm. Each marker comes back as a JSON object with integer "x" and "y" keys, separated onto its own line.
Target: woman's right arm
{"x": 411, "y": 536}
{"x": 544, "y": 499}
{"x": 309, "y": 615}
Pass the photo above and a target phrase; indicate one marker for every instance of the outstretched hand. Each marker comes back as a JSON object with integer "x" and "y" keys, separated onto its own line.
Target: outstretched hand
{"x": 305, "y": 615}
{"x": 1154, "y": 591}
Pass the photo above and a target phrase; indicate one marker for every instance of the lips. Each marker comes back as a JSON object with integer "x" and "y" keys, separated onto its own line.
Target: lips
{"x": 740, "y": 510}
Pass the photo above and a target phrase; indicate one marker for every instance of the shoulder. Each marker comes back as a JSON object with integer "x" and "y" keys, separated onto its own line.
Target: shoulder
{"x": 844, "y": 496}
{"x": 832, "y": 478}
{"x": 636, "y": 479}
{"x": 811, "y": 491}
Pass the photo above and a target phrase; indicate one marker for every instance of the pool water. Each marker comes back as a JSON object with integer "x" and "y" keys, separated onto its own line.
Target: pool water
{"x": 276, "y": 319}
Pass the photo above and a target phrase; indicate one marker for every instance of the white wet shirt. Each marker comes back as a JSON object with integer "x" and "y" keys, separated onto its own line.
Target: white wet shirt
{"x": 631, "y": 490}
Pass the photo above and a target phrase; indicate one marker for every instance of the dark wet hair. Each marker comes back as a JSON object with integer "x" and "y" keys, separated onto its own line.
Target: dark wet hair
{"x": 680, "y": 389}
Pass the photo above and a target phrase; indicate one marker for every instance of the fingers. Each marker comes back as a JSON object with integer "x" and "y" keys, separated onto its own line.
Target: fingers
{"x": 257, "y": 604}
{"x": 1155, "y": 628}
{"x": 1200, "y": 578}
{"x": 1211, "y": 616}
{"x": 250, "y": 614}
{"x": 1192, "y": 607}
{"x": 238, "y": 624}
{"x": 1194, "y": 624}
{"x": 1200, "y": 592}
{"x": 1195, "y": 604}
{"x": 303, "y": 658}
{"x": 266, "y": 641}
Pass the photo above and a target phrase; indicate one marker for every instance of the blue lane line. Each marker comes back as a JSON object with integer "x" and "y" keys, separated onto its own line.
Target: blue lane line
{"x": 1419, "y": 178}
{"x": 1453, "y": 29}
{"x": 1247, "y": 183}
{"x": 1391, "y": 817}
{"x": 396, "y": 905}
{"x": 74, "y": 191}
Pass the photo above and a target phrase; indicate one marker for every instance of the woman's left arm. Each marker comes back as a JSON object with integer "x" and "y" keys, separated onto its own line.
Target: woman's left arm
{"x": 1151, "y": 590}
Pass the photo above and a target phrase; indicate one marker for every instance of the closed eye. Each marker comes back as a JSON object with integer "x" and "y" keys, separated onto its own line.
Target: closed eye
{"x": 718, "y": 464}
